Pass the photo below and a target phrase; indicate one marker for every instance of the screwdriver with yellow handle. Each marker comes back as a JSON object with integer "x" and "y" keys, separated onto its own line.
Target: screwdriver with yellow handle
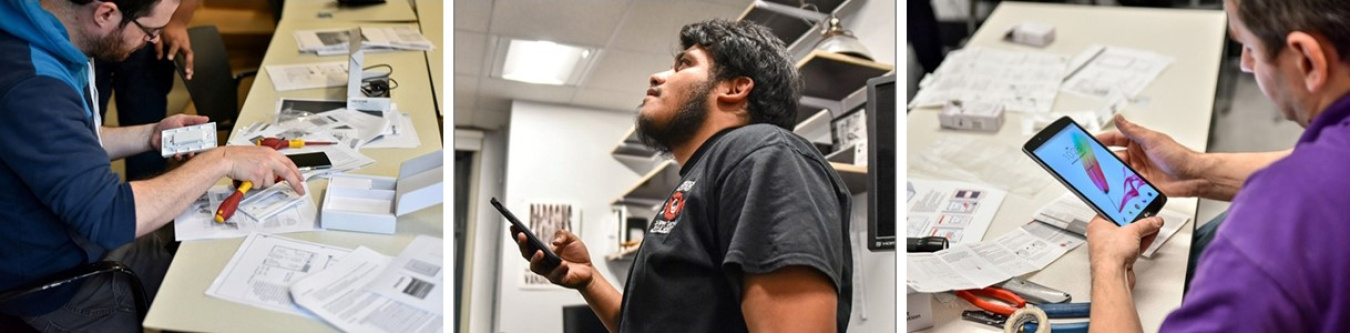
{"x": 231, "y": 204}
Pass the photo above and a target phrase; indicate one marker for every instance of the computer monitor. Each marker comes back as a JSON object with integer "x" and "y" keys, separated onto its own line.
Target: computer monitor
{"x": 881, "y": 129}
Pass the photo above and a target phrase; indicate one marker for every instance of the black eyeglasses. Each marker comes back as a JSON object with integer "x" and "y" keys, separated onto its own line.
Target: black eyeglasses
{"x": 151, "y": 35}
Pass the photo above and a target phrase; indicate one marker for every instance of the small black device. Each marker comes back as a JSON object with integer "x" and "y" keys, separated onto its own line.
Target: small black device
{"x": 1094, "y": 173}
{"x": 925, "y": 244}
{"x": 881, "y": 180}
{"x": 551, "y": 260}
{"x": 311, "y": 161}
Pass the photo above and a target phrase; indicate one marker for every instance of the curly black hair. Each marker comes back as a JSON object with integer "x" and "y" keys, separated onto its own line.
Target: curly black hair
{"x": 747, "y": 49}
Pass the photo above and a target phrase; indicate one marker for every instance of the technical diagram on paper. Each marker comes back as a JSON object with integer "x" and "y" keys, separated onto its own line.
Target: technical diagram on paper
{"x": 198, "y": 221}
{"x": 1068, "y": 212}
{"x": 261, "y": 272}
{"x": 1020, "y": 81}
{"x": 1099, "y": 70}
{"x": 958, "y": 211}
{"x": 342, "y": 295}
{"x": 308, "y": 76}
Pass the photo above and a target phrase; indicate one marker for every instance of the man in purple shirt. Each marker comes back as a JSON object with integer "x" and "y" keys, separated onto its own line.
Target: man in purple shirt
{"x": 1277, "y": 263}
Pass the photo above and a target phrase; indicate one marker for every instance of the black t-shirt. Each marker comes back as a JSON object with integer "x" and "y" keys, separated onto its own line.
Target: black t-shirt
{"x": 751, "y": 200}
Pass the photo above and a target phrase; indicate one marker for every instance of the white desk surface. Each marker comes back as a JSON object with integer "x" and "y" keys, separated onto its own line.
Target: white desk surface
{"x": 431, "y": 16}
{"x": 182, "y": 303}
{"x": 1181, "y": 104}
{"x": 390, "y": 11}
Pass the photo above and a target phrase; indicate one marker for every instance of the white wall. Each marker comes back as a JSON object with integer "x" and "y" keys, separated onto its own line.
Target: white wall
{"x": 481, "y": 253}
{"x": 874, "y": 23}
{"x": 559, "y": 154}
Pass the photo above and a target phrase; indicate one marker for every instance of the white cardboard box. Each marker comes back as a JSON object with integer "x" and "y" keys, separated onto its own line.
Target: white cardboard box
{"x": 373, "y": 204}
{"x": 1032, "y": 33}
{"x": 971, "y": 116}
{"x": 918, "y": 310}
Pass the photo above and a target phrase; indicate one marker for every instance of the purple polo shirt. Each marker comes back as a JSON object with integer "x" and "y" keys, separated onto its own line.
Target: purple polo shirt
{"x": 1281, "y": 261}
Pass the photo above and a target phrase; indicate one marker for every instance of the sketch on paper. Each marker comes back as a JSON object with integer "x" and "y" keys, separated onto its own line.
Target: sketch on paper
{"x": 1020, "y": 81}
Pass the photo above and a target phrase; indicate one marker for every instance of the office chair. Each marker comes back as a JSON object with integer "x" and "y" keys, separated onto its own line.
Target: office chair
{"x": 214, "y": 87}
{"x": 14, "y": 324}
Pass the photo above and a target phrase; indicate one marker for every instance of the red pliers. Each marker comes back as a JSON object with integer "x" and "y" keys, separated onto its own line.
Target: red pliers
{"x": 1013, "y": 302}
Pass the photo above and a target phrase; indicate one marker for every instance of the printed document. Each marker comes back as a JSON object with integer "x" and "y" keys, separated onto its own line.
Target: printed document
{"x": 263, "y": 269}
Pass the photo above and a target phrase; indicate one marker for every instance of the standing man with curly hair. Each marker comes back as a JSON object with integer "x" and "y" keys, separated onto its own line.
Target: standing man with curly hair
{"x": 755, "y": 236}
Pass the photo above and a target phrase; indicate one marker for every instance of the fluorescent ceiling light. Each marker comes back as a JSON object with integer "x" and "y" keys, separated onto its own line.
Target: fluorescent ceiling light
{"x": 544, "y": 62}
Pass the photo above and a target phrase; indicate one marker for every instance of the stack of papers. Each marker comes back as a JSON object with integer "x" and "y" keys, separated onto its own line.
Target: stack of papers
{"x": 330, "y": 42}
{"x": 261, "y": 272}
{"x": 198, "y": 221}
{"x": 1020, "y": 81}
{"x": 371, "y": 292}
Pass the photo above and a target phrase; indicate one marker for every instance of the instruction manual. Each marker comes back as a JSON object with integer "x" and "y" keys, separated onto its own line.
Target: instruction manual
{"x": 198, "y": 221}
{"x": 335, "y": 41}
{"x": 972, "y": 266}
{"x": 1020, "y": 81}
{"x": 370, "y": 292}
{"x": 958, "y": 211}
{"x": 1071, "y": 214}
{"x": 308, "y": 76}
{"x": 1100, "y": 70}
{"x": 261, "y": 272}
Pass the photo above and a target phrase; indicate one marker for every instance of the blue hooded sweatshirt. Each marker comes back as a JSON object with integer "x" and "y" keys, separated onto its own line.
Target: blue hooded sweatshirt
{"x": 60, "y": 203}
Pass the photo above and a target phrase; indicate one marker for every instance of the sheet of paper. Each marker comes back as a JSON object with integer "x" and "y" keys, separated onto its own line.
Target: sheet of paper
{"x": 416, "y": 277}
{"x": 1071, "y": 214}
{"x": 339, "y": 296}
{"x": 974, "y": 268}
{"x": 999, "y": 163}
{"x": 405, "y": 138}
{"x": 308, "y": 76}
{"x": 198, "y": 221}
{"x": 335, "y": 41}
{"x": 262, "y": 270}
{"x": 1020, "y": 81}
{"x": 1110, "y": 68}
{"x": 959, "y": 211}
{"x": 926, "y": 272}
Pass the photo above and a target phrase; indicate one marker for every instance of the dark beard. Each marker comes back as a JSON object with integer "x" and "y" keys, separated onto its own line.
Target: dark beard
{"x": 681, "y": 128}
{"x": 109, "y": 48}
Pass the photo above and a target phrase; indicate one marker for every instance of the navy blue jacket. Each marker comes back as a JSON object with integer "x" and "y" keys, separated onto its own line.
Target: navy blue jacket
{"x": 60, "y": 203}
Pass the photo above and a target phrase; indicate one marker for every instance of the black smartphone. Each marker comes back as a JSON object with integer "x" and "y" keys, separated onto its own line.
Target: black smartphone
{"x": 311, "y": 161}
{"x": 551, "y": 260}
{"x": 1094, "y": 173}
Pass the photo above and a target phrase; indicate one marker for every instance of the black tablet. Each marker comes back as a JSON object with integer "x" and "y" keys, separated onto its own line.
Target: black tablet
{"x": 1094, "y": 173}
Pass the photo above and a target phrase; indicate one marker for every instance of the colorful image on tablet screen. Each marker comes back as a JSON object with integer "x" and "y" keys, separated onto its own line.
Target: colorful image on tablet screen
{"x": 1096, "y": 174}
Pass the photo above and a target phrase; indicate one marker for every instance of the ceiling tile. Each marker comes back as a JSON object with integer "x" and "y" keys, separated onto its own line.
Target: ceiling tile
{"x": 654, "y": 25}
{"x": 625, "y": 71}
{"x": 470, "y": 50}
{"x": 492, "y": 91}
{"x": 466, "y": 91}
{"x": 492, "y": 119}
{"x": 608, "y": 100}
{"x": 464, "y": 116}
{"x": 472, "y": 15}
{"x": 579, "y": 22}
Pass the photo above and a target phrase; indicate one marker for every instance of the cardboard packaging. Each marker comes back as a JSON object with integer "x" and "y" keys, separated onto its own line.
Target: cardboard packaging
{"x": 373, "y": 204}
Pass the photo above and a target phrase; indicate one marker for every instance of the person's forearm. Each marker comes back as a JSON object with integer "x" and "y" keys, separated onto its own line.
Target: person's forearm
{"x": 183, "y": 15}
{"x": 121, "y": 142}
{"x": 1112, "y": 303}
{"x": 1226, "y": 172}
{"x": 160, "y": 199}
{"x": 604, "y": 299}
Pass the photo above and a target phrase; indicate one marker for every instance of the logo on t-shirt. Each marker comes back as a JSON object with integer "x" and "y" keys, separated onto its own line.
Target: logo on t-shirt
{"x": 670, "y": 212}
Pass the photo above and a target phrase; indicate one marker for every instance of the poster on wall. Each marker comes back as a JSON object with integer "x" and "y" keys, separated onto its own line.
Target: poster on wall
{"x": 545, "y": 219}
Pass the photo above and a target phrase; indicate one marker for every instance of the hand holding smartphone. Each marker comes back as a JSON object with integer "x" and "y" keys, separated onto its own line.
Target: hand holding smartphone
{"x": 551, "y": 260}
{"x": 1094, "y": 173}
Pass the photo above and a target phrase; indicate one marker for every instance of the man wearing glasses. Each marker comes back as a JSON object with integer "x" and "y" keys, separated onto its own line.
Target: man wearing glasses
{"x": 61, "y": 205}
{"x": 142, "y": 82}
